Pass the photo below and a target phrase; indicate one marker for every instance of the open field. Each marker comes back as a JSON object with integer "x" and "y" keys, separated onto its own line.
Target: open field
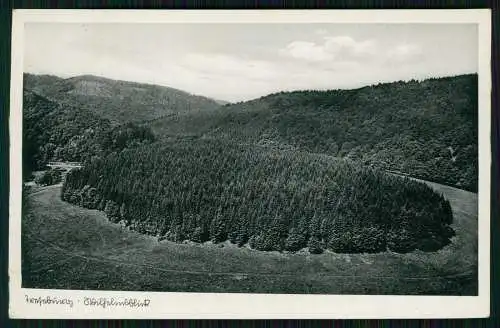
{"x": 68, "y": 247}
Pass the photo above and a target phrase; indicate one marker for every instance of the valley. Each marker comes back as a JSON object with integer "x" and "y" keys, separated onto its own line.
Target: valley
{"x": 293, "y": 192}
{"x": 69, "y": 247}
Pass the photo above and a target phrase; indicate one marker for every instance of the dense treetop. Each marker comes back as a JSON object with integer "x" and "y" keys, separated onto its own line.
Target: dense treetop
{"x": 282, "y": 172}
{"x": 273, "y": 199}
{"x": 426, "y": 129}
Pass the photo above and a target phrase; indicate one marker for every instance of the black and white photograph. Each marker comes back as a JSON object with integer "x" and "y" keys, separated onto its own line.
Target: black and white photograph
{"x": 254, "y": 156}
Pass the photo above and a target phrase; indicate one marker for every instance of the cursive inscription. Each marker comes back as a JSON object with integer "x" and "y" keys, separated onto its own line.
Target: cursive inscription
{"x": 112, "y": 302}
{"x": 49, "y": 300}
{"x": 103, "y": 302}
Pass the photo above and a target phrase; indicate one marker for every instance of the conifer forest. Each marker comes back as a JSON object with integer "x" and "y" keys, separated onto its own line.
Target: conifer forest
{"x": 309, "y": 175}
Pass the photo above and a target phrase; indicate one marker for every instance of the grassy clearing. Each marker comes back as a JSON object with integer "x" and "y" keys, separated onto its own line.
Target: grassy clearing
{"x": 68, "y": 247}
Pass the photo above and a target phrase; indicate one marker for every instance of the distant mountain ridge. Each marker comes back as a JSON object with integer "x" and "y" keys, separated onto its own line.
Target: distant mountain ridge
{"x": 426, "y": 129}
{"x": 34, "y": 82}
{"x": 119, "y": 101}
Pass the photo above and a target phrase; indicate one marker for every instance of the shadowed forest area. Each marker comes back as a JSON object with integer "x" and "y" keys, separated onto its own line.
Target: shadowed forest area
{"x": 303, "y": 173}
{"x": 274, "y": 200}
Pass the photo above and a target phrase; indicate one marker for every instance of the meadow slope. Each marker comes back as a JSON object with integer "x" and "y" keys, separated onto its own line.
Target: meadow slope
{"x": 69, "y": 247}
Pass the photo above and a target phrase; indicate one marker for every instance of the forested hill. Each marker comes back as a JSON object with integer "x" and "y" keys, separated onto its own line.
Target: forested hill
{"x": 273, "y": 200}
{"x": 117, "y": 101}
{"x": 427, "y": 129}
{"x": 52, "y": 131}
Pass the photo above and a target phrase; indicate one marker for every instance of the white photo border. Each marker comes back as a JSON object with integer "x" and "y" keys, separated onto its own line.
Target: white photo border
{"x": 252, "y": 306}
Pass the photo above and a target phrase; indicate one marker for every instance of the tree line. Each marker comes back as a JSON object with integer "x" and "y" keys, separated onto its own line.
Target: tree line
{"x": 269, "y": 199}
{"x": 427, "y": 129}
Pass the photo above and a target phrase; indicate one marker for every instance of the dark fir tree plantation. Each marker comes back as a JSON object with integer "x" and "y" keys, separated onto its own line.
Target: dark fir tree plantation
{"x": 271, "y": 199}
{"x": 285, "y": 172}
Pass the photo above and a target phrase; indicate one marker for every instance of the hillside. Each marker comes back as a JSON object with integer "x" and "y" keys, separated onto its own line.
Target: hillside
{"x": 118, "y": 101}
{"x": 32, "y": 81}
{"x": 52, "y": 131}
{"x": 427, "y": 129}
{"x": 275, "y": 200}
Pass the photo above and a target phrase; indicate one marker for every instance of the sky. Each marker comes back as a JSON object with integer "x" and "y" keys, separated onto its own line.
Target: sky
{"x": 237, "y": 62}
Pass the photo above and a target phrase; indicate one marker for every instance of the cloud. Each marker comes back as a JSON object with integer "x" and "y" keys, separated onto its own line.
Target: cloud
{"x": 404, "y": 52}
{"x": 308, "y": 51}
{"x": 229, "y": 66}
{"x": 345, "y": 51}
{"x": 348, "y": 47}
{"x": 309, "y": 56}
{"x": 332, "y": 48}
